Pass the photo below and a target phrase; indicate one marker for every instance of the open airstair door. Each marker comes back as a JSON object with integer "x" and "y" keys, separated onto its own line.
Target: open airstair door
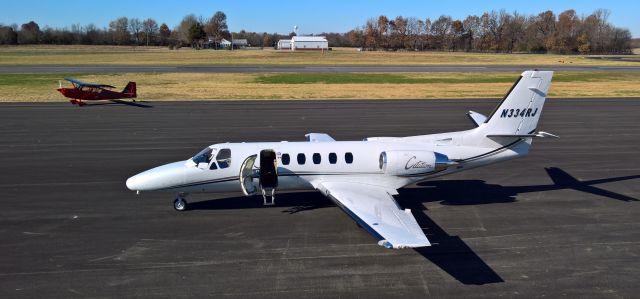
{"x": 247, "y": 174}
{"x": 268, "y": 175}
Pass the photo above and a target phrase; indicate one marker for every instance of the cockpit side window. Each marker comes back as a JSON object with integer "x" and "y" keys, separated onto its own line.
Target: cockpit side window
{"x": 224, "y": 158}
{"x": 204, "y": 156}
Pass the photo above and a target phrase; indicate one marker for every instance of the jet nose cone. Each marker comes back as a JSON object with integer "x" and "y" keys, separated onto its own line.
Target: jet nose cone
{"x": 143, "y": 181}
{"x": 158, "y": 178}
{"x": 134, "y": 183}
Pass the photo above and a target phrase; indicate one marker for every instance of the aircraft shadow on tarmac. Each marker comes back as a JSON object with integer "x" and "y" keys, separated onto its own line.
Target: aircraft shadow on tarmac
{"x": 450, "y": 253}
{"x": 119, "y": 102}
{"x": 472, "y": 192}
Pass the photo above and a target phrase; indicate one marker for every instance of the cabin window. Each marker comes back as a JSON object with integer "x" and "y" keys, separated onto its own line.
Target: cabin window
{"x": 333, "y": 158}
{"x": 286, "y": 159}
{"x": 224, "y": 158}
{"x": 213, "y": 166}
{"x": 301, "y": 159}
{"x": 317, "y": 158}
{"x": 348, "y": 157}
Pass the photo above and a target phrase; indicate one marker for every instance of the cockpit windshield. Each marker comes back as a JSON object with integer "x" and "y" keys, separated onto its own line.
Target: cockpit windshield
{"x": 204, "y": 156}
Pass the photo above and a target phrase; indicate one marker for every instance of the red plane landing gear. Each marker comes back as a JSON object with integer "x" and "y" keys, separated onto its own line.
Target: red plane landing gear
{"x": 77, "y": 102}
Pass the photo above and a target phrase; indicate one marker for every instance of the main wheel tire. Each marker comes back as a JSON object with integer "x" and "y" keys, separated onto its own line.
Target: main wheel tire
{"x": 180, "y": 204}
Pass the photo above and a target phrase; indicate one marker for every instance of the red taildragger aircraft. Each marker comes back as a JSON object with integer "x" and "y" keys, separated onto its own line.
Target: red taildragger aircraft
{"x": 82, "y": 91}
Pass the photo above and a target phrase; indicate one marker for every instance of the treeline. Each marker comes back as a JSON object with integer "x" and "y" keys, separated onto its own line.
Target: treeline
{"x": 491, "y": 32}
{"x": 497, "y": 32}
{"x": 121, "y": 31}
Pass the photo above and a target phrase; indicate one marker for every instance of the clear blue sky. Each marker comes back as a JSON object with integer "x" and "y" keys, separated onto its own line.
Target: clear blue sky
{"x": 281, "y": 15}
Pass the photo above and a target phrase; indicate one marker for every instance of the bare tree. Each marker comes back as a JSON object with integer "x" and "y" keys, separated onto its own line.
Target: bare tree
{"x": 544, "y": 27}
{"x": 399, "y": 32}
{"x": 93, "y": 35}
{"x": 135, "y": 27}
{"x": 621, "y": 41}
{"x": 603, "y": 30}
{"x": 119, "y": 29}
{"x": 414, "y": 29}
{"x": 457, "y": 34}
{"x": 217, "y": 26}
{"x": 76, "y": 30}
{"x": 513, "y": 28}
{"x": 490, "y": 28}
{"x": 150, "y": 29}
{"x": 473, "y": 31}
{"x": 441, "y": 32}
{"x": 427, "y": 34}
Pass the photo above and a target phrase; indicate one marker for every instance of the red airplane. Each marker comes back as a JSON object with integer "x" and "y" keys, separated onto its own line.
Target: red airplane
{"x": 82, "y": 91}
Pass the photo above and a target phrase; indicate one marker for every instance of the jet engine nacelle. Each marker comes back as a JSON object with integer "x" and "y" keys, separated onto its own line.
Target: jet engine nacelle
{"x": 413, "y": 162}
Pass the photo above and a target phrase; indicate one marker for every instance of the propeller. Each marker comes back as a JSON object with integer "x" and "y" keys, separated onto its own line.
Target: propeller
{"x": 59, "y": 83}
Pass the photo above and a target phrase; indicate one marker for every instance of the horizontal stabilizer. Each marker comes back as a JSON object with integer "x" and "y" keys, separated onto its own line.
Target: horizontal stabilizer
{"x": 318, "y": 137}
{"x": 540, "y": 134}
{"x": 476, "y": 118}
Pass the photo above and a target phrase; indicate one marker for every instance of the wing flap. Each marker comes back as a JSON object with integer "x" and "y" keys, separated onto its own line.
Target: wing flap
{"x": 375, "y": 210}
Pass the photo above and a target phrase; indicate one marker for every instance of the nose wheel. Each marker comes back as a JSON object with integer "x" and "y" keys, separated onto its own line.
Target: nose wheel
{"x": 180, "y": 204}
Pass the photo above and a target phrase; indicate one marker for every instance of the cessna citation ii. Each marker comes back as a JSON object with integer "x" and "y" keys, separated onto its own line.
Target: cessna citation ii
{"x": 361, "y": 177}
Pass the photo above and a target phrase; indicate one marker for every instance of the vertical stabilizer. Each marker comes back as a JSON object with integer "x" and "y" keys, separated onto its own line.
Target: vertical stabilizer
{"x": 520, "y": 110}
{"x": 130, "y": 90}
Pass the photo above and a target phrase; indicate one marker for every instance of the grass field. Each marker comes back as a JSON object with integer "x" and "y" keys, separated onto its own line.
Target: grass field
{"x": 201, "y": 86}
{"x": 160, "y": 56}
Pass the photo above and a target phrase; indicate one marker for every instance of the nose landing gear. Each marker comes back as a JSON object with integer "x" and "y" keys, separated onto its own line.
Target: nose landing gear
{"x": 180, "y": 203}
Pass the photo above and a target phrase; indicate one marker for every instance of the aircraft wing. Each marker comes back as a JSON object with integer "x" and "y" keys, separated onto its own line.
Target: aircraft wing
{"x": 374, "y": 208}
{"x": 80, "y": 83}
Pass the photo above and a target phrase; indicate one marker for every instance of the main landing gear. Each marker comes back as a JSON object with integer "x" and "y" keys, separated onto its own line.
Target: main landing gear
{"x": 77, "y": 102}
{"x": 180, "y": 203}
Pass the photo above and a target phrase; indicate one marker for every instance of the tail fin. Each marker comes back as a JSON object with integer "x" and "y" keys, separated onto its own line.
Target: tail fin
{"x": 520, "y": 109}
{"x": 130, "y": 90}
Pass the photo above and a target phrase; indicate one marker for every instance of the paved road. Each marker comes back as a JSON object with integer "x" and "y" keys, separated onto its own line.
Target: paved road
{"x": 306, "y": 69}
{"x": 564, "y": 221}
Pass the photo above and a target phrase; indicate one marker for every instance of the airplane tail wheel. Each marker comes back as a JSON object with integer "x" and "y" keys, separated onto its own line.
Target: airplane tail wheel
{"x": 180, "y": 204}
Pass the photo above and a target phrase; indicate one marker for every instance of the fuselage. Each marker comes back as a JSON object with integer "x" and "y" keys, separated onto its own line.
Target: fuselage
{"x": 299, "y": 164}
{"x": 93, "y": 94}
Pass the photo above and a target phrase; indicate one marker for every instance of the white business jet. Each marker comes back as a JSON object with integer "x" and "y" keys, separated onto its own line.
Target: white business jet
{"x": 361, "y": 177}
